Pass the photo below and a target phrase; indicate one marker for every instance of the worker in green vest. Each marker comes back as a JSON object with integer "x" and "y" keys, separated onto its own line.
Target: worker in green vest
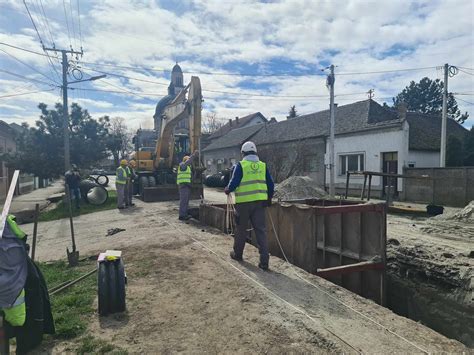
{"x": 184, "y": 179}
{"x": 121, "y": 181}
{"x": 253, "y": 186}
{"x": 15, "y": 313}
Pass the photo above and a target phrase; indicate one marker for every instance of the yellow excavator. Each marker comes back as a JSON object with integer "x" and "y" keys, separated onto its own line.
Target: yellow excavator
{"x": 157, "y": 169}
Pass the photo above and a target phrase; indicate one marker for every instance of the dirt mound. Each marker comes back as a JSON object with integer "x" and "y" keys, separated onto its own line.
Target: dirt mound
{"x": 466, "y": 213}
{"x": 298, "y": 187}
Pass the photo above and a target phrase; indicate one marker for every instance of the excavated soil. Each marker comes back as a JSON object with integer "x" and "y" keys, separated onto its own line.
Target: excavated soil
{"x": 298, "y": 187}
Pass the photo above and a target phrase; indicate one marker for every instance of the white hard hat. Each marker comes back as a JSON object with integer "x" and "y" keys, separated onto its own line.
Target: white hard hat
{"x": 248, "y": 147}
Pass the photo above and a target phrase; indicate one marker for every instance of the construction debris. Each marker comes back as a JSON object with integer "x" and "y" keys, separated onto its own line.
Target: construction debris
{"x": 464, "y": 215}
{"x": 113, "y": 231}
{"x": 298, "y": 187}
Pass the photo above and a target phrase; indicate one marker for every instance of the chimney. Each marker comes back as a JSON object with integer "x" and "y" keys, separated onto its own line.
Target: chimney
{"x": 230, "y": 122}
{"x": 272, "y": 120}
{"x": 236, "y": 120}
{"x": 402, "y": 110}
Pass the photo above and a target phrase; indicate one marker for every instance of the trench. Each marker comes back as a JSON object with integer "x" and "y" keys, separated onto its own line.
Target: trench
{"x": 410, "y": 290}
{"x": 445, "y": 308}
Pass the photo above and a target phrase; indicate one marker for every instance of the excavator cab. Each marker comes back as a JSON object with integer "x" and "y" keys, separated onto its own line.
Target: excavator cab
{"x": 157, "y": 169}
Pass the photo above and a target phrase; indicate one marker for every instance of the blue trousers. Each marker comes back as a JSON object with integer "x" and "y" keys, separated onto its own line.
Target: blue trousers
{"x": 75, "y": 194}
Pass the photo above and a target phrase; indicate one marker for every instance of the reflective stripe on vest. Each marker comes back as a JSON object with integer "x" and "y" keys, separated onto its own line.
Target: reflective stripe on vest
{"x": 184, "y": 177}
{"x": 16, "y": 314}
{"x": 253, "y": 186}
{"x": 121, "y": 178}
{"x": 14, "y": 227}
{"x": 129, "y": 173}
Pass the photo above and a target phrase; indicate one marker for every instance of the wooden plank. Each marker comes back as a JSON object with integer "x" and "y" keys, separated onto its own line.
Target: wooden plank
{"x": 346, "y": 269}
{"x": 8, "y": 201}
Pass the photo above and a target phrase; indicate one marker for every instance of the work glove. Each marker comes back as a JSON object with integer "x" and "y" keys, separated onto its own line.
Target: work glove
{"x": 226, "y": 190}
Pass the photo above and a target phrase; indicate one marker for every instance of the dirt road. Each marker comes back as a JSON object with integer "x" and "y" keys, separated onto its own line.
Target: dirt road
{"x": 185, "y": 294}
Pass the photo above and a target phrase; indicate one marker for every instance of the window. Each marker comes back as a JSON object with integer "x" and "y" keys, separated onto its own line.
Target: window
{"x": 310, "y": 163}
{"x": 411, "y": 164}
{"x": 351, "y": 162}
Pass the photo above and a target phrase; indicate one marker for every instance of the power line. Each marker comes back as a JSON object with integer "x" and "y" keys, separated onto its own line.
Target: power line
{"x": 23, "y": 49}
{"x": 47, "y": 23}
{"x": 67, "y": 23}
{"x": 29, "y": 66}
{"x": 79, "y": 21}
{"x": 467, "y": 102}
{"x": 39, "y": 36}
{"x": 26, "y": 78}
{"x": 72, "y": 23}
{"x": 26, "y": 93}
{"x": 464, "y": 71}
{"x": 220, "y": 91}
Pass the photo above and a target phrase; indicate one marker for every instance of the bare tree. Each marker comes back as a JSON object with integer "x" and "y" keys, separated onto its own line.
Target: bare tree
{"x": 119, "y": 140}
{"x": 283, "y": 161}
{"x": 211, "y": 123}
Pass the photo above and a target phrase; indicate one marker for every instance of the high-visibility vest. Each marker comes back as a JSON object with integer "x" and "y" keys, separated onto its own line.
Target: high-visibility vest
{"x": 16, "y": 314}
{"x": 253, "y": 186}
{"x": 129, "y": 173}
{"x": 121, "y": 176}
{"x": 184, "y": 177}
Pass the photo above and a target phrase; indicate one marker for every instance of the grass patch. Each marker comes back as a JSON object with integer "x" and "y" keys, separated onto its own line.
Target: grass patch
{"x": 91, "y": 345}
{"x": 73, "y": 306}
{"x": 62, "y": 210}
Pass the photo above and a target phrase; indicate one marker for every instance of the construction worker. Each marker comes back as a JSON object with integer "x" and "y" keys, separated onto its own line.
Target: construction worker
{"x": 131, "y": 176}
{"x": 183, "y": 179}
{"x": 24, "y": 299}
{"x": 254, "y": 187}
{"x": 72, "y": 178}
{"x": 121, "y": 180}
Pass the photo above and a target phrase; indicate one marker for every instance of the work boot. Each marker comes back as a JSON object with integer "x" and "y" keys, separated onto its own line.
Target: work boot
{"x": 184, "y": 218}
{"x": 263, "y": 266}
{"x": 235, "y": 257}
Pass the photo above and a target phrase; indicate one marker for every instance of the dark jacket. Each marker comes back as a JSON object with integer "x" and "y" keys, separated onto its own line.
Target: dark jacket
{"x": 72, "y": 178}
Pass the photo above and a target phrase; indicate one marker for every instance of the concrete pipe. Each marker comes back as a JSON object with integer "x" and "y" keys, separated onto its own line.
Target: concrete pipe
{"x": 93, "y": 193}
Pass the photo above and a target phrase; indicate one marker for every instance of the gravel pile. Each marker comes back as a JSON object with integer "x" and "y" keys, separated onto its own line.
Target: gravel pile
{"x": 467, "y": 213}
{"x": 298, "y": 187}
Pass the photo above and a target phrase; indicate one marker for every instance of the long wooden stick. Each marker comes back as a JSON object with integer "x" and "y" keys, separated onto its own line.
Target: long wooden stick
{"x": 8, "y": 201}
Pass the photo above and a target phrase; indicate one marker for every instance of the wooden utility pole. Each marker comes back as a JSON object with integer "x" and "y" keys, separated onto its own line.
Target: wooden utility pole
{"x": 65, "y": 65}
{"x": 442, "y": 155}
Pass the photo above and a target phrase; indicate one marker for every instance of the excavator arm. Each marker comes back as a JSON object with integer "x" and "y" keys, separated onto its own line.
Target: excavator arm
{"x": 187, "y": 105}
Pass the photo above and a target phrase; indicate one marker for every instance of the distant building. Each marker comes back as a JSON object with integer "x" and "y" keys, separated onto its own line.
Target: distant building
{"x": 239, "y": 122}
{"x": 367, "y": 137}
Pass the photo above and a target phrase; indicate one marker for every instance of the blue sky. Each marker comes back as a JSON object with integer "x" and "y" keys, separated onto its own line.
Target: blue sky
{"x": 293, "y": 39}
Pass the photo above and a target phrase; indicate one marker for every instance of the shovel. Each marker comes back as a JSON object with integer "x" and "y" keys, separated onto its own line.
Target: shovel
{"x": 73, "y": 256}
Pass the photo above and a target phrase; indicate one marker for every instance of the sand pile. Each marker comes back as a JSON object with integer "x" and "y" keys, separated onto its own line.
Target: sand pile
{"x": 466, "y": 213}
{"x": 298, "y": 187}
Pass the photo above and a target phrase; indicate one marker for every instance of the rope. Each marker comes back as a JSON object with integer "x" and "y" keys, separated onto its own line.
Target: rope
{"x": 229, "y": 215}
{"x": 337, "y": 300}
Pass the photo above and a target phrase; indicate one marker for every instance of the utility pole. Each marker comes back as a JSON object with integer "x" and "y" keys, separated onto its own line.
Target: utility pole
{"x": 65, "y": 65}
{"x": 442, "y": 155}
{"x": 330, "y": 82}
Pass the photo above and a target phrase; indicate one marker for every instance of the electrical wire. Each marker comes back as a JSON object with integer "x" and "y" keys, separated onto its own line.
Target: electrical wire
{"x": 467, "y": 102}
{"x": 79, "y": 22}
{"x": 23, "y": 49}
{"x": 39, "y": 37}
{"x": 72, "y": 23}
{"x": 465, "y": 71}
{"x": 26, "y": 93}
{"x": 29, "y": 66}
{"x": 26, "y": 78}
{"x": 67, "y": 23}
{"x": 47, "y": 23}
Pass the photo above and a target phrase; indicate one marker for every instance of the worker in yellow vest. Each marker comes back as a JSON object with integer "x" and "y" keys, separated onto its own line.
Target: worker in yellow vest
{"x": 184, "y": 179}
{"x": 254, "y": 187}
{"x": 121, "y": 181}
{"x": 15, "y": 313}
{"x": 131, "y": 176}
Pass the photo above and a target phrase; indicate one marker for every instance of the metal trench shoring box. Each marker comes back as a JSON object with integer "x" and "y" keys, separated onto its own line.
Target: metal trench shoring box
{"x": 342, "y": 241}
